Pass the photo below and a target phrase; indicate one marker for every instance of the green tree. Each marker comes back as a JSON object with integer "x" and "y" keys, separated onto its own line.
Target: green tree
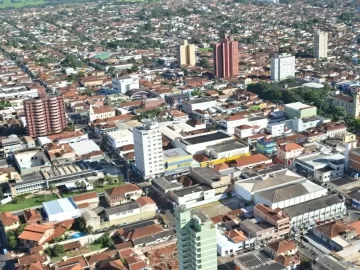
{"x": 109, "y": 179}
{"x": 57, "y": 250}
{"x": 79, "y": 225}
{"x": 204, "y": 62}
{"x": 12, "y": 241}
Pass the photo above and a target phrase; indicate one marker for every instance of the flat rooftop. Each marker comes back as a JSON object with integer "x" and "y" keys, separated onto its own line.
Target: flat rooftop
{"x": 320, "y": 160}
{"x": 84, "y": 147}
{"x": 343, "y": 181}
{"x": 175, "y": 153}
{"x": 227, "y": 146}
{"x": 206, "y": 138}
{"x": 59, "y": 206}
{"x": 200, "y": 100}
{"x": 297, "y": 106}
{"x": 33, "y": 158}
{"x": 253, "y": 259}
{"x": 118, "y": 134}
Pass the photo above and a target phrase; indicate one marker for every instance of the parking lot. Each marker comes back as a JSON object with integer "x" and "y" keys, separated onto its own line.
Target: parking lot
{"x": 220, "y": 207}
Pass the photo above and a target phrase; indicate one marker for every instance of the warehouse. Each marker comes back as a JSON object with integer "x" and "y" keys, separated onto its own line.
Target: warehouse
{"x": 61, "y": 209}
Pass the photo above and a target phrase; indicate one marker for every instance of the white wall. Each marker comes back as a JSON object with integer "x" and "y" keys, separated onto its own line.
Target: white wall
{"x": 75, "y": 213}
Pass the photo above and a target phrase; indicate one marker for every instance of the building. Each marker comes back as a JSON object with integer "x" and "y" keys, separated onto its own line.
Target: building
{"x": 31, "y": 161}
{"x": 282, "y": 67}
{"x": 149, "y": 156}
{"x": 125, "y": 84}
{"x": 186, "y": 54}
{"x": 299, "y": 110}
{"x": 177, "y": 161}
{"x": 122, "y": 194}
{"x": 286, "y": 153}
{"x": 321, "y": 45}
{"x": 266, "y": 146}
{"x": 267, "y": 179}
{"x": 196, "y": 240}
{"x": 351, "y": 104}
{"x": 322, "y": 167}
{"x": 101, "y": 112}
{"x": 354, "y": 160}
{"x": 9, "y": 221}
{"x": 226, "y": 58}
{"x": 91, "y": 198}
{"x": 61, "y": 209}
{"x": 119, "y": 138}
{"x": 290, "y": 195}
{"x": 45, "y": 116}
{"x": 307, "y": 214}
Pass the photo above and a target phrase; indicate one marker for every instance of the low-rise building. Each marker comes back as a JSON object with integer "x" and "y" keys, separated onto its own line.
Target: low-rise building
{"x": 307, "y": 214}
{"x": 31, "y": 161}
{"x": 118, "y": 138}
{"x": 227, "y": 149}
{"x": 143, "y": 207}
{"x": 266, "y": 146}
{"x": 60, "y": 210}
{"x": 122, "y": 194}
{"x": 90, "y": 198}
{"x": 299, "y": 110}
{"x": 290, "y": 195}
{"x": 177, "y": 161}
{"x": 286, "y": 153}
{"x": 9, "y": 221}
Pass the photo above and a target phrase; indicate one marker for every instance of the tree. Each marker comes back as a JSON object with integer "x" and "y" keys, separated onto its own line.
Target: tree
{"x": 52, "y": 188}
{"x": 339, "y": 113}
{"x": 12, "y": 241}
{"x": 109, "y": 179}
{"x": 89, "y": 230}
{"x": 79, "y": 225}
{"x": 204, "y": 62}
{"x": 120, "y": 179}
{"x": 57, "y": 250}
{"x": 160, "y": 62}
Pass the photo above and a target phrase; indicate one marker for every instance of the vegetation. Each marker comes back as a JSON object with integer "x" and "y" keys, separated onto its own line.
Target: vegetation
{"x": 55, "y": 250}
{"x": 80, "y": 225}
{"x": 19, "y": 203}
{"x": 105, "y": 241}
{"x": 12, "y": 236}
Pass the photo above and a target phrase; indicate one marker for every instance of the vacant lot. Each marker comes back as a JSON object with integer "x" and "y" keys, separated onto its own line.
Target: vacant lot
{"x": 220, "y": 207}
{"x": 27, "y": 203}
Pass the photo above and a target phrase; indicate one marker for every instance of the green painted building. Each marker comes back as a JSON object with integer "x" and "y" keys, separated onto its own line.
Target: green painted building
{"x": 299, "y": 110}
{"x": 196, "y": 240}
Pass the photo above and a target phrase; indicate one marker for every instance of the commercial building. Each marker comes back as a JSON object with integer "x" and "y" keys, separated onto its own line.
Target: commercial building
{"x": 119, "y": 138}
{"x": 149, "y": 156}
{"x": 322, "y": 167}
{"x": 45, "y": 116}
{"x": 177, "y": 161}
{"x": 290, "y": 195}
{"x": 307, "y": 214}
{"x": 227, "y": 149}
{"x": 287, "y": 152}
{"x": 226, "y": 58}
{"x": 299, "y": 110}
{"x": 282, "y": 67}
{"x": 125, "y": 84}
{"x": 321, "y": 45}
{"x": 266, "y": 146}
{"x": 61, "y": 209}
{"x": 196, "y": 240}
{"x": 198, "y": 143}
{"x": 202, "y": 104}
{"x": 186, "y": 54}
{"x": 267, "y": 179}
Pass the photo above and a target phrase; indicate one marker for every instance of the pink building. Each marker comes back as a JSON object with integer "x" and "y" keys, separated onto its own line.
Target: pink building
{"x": 287, "y": 152}
{"x": 226, "y": 58}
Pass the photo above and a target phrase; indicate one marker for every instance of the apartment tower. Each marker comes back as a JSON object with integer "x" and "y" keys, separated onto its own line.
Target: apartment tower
{"x": 282, "y": 67}
{"x": 186, "y": 54}
{"x": 321, "y": 45}
{"x": 149, "y": 156}
{"x": 45, "y": 116}
{"x": 196, "y": 240}
{"x": 226, "y": 58}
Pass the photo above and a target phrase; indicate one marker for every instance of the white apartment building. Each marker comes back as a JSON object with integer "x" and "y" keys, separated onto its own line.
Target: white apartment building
{"x": 321, "y": 45}
{"x": 125, "y": 84}
{"x": 279, "y": 128}
{"x": 232, "y": 122}
{"x": 282, "y": 67}
{"x": 149, "y": 157}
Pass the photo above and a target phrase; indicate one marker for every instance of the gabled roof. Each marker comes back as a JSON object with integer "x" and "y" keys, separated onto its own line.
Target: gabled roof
{"x": 122, "y": 190}
{"x": 333, "y": 229}
{"x": 7, "y": 219}
{"x": 283, "y": 246}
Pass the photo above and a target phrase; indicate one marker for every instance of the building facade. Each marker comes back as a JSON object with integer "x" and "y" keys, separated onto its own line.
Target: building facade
{"x": 321, "y": 45}
{"x": 196, "y": 240}
{"x": 149, "y": 157}
{"x": 45, "y": 116}
{"x": 186, "y": 54}
{"x": 282, "y": 67}
{"x": 226, "y": 58}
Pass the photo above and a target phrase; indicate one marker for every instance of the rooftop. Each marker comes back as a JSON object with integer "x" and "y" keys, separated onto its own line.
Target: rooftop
{"x": 297, "y": 106}
{"x": 84, "y": 147}
{"x": 59, "y": 206}
{"x": 175, "y": 153}
{"x": 121, "y": 208}
{"x": 226, "y": 146}
{"x": 214, "y": 136}
{"x": 312, "y": 205}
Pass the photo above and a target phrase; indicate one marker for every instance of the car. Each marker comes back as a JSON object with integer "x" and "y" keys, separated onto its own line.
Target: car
{"x": 4, "y": 251}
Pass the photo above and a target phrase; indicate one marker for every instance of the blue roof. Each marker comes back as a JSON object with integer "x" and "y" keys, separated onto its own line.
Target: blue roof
{"x": 59, "y": 206}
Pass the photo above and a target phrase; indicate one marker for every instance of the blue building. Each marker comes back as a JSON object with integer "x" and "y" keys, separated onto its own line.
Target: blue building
{"x": 266, "y": 146}
{"x": 355, "y": 199}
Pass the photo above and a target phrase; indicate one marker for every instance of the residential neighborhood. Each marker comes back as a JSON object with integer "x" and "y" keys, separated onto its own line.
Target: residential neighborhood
{"x": 182, "y": 135}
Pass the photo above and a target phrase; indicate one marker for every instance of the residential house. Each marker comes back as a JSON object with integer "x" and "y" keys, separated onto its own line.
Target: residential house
{"x": 122, "y": 194}
{"x": 286, "y": 153}
{"x": 9, "y": 221}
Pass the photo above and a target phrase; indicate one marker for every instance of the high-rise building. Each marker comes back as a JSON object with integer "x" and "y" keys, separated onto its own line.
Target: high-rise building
{"x": 186, "y": 54}
{"x": 196, "y": 240}
{"x": 149, "y": 156}
{"x": 321, "y": 45}
{"x": 226, "y": 58}
{"x": 45, "y": 116}
{"x": 282, "y": 67}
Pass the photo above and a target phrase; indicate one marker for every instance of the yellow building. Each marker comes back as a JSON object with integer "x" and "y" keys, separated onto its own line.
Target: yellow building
{"x": 177, "y": 161}
{"x": 186, "y": 54}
